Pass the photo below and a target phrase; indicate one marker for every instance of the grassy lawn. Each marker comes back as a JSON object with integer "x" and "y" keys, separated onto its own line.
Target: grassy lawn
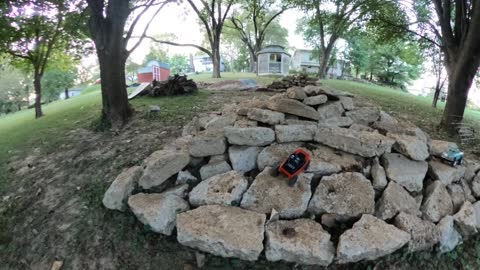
{"x": 207, "y": 77}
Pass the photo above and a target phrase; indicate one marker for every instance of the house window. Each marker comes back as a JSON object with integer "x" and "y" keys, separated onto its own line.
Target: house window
{"x": 275, "y": 57}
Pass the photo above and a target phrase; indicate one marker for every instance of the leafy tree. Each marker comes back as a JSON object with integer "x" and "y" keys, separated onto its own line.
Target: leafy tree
{"x": 12, "y": 88}
{"x": 31, "y": 31}
{"x": 57, "y": 81}
{"x": 178, "y": 63}
{"x": 107, "y": 25}
{"x": 131, "y": 70}
{"x": 453, "y": 26}
{"x": 212, "y": 15}
{"x": 255, "y": 23}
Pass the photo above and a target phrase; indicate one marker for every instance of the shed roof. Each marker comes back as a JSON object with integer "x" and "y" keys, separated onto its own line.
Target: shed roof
{"x": 273, "y": 49}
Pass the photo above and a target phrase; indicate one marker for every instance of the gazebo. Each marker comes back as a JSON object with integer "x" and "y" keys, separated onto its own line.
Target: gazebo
{"x": 273, "y": 60}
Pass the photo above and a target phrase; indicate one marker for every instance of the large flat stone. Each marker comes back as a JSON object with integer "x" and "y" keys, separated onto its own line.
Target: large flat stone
{"x": 205, "y": 145}
{"x": 361, "y": 143}
{"x": 244, "y": 158}
{"x": 445, "y": 173}
{"x": 265, "y": 116}
{"x": 394, "y": 200}
{"x": 437, "y": 202}
{"x": 348, "y": 195}
{"x": 346, "y": 161}
{"x": 322, "y": 168}
{"x": 466, "y": 220}
{"x": 214, "y": 168}
{"x": 296, "y": 92}
{"x": 300, "y": 241}
{"x": 116, "y": 196}
{"x": 379, "y": 177}
{"x": 161, "y": 165}
{"x": 294, "y": 107}
{"x": 406, "y": 172}
{"x": 159, "y": 211}
{"x": 223, "y": 231}
{"x": 223, "y": 189}
{"x": 424, "y": 234}
{"x": 315, "y": 100}
{"x": 269, "y": 192}
{"x": 330, "y": 110}
{"x": 294, "y": 133}
{"x": 339, "y": 121}
{"x": 253, "y": 136}
{"x": 449, "y": 236}
{"x": 369, "y": 239}
{"x": 410, "y": 146}
{"x": 437, "y": 147}
{"x": 364, "y": 115}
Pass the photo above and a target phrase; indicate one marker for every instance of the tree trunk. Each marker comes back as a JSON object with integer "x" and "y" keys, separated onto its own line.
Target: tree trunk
{"x": 116, "y": 109}
{"x": 253, "y": 61}
{"x": 325, "y": 57}
{"x": 37, "y": 84}
{"x": 66, "y": 93}
{"x": 216, "y": 57}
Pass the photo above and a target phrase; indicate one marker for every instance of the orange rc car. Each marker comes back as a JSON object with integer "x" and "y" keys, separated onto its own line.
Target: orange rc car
{"x": 295, "y": 164}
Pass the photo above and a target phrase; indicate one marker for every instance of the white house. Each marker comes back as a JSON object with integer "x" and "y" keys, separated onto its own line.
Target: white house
{"x": 273, "y": 59}
{"x": 203, "y": 63}
{"x": 303, "y": 61}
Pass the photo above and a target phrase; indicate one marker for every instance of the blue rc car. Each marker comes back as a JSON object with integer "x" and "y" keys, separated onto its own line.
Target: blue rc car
{"x": 453, "y": 156}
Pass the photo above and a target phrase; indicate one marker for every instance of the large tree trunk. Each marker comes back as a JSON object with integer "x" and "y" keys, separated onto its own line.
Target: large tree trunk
{"x": 325, "y": 57}
{"x": 66, "y": 93}
{"x": 216, "y": 59}
{"x": 37, "y": 84}
{"x": 253, "y": 61}
{"x": 116, "y": 109}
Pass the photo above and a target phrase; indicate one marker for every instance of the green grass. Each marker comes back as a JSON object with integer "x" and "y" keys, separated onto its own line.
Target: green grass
{"x": 207, "y": 77}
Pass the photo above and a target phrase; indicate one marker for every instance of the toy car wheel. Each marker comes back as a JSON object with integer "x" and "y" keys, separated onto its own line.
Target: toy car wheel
{"x": 454, "y": 163}
{"x": 275, "y": 171}
{"x": 292, "y": 181}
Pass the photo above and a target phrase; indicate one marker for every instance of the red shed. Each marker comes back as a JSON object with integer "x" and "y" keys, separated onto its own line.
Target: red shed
{"x": 154, "y": 70}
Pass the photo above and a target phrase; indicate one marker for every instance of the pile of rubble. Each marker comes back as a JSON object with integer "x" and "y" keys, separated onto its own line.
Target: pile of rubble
{"x": 289, "y": 81}
{"x": 375, "y": 185}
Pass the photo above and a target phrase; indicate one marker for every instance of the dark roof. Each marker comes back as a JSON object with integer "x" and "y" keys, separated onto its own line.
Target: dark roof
{"x": 273, "y": 49}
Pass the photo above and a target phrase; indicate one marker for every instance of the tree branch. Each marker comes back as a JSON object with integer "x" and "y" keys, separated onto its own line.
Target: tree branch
{"x": 205, "y": 23}
{"x": 180, "y": 44}
{"x": 135, "y": 21}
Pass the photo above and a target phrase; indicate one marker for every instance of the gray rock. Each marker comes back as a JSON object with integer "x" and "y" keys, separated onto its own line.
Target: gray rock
{"x": 405, "y": 172}
{"x": 159, "y": 211}
{"x": 207, "y": 145}
{"x": 346, "y": 161}
{"x": 315, "y": 100}
{"x": 467, "y": 191}
{"x": 178, "y": 190}
{"x": 185, "y": 177}
{"x": 457, "y": 194}
{"x": 299, "y": 122}
{"x": 347, "y": 103}
{"x": 466, "y": 220}
{"x": 160, "y": 165}
{"x": 192, "y": 128}
{"x": 401, "y": 128}
{"x": 244, "y": 158}
{"x": 476, "y": 186}
{"x": 340, "y": 121}
{"x": 245, "y": 123}
{"x": 437, "y": 147}
{"x": 266, "y": 116}
{"x": 214, "y": 168}
{"x": 294, "y": 133}
{"x": 294, "y": 107}
{"x": 348, "y": 195}
{"x": 471, "y": 169}
{"x": 273, "y": 154}
{"x": 449, "y": 236}
{"x": 301, "y": 241}
{"x": 224, "y": 189}
{"x": 379, "y": 177}
{"x": 312, "y": 90}
{"x": 358, "y": 127}
{"x": 369, "y": 239}
{"x": 254, "y": 136}
{"x": 269, "y": 192}
{"x": 445, "y": 173}
{"x": 219, "y": 122}
{"x": 423, "y": 234}
{"x": 218, "y": 158}
{"x": 116, "y": 196}
{"x": 361, "y": 143}
{"x": 364, "y": 115}
{"x": 322, "y": 168}
{"x": 387, "y": 118}
{"x": 223, "y": 231}
{"x": 437, "y": 202}
{"x": 394, "y": 200}
{"x": 476, "y": 207}
{"x": 410, "y": 146}
{"x": 330, "y": 110}
{"x": 296, "y": 92}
